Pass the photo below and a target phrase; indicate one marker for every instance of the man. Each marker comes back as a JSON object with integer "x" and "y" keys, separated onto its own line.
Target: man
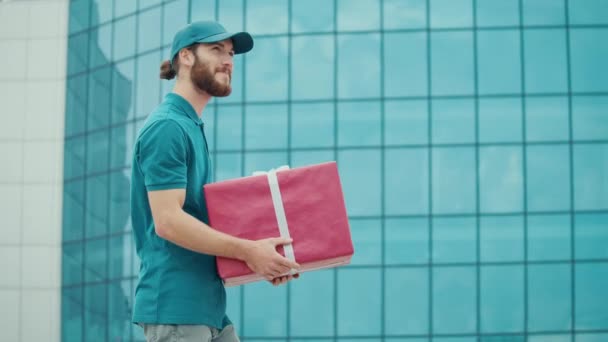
{"x": 179, "y": 294}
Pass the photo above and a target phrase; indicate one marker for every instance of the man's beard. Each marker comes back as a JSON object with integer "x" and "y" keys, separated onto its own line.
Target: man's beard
{"x": 204, "y": 79}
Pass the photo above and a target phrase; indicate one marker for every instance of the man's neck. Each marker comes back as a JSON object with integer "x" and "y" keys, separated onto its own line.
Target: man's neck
{"x": 198, "y": 99}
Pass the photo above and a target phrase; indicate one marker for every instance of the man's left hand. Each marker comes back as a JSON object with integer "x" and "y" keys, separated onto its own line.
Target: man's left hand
{"x": 284, "y": 279}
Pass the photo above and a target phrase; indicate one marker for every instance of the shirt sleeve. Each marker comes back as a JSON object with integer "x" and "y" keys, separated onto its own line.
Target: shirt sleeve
{"x": 163, "y": 156}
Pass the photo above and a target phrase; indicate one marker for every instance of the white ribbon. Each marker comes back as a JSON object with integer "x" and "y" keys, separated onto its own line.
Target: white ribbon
{"x": 279, "y": 210}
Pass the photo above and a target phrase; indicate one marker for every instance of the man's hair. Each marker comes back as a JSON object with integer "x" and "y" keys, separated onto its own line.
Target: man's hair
{"x": 169, "y": 70}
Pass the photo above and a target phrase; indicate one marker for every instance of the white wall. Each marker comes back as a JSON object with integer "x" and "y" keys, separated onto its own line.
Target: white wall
{"x": 32, "y": 96}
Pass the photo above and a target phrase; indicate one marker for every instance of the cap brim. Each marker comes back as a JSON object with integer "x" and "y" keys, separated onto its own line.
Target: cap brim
{"x": 241, "y": 41}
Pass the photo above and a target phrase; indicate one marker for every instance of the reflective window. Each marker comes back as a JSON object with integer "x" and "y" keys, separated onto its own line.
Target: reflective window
{"x": 96, "y": 206}
{"x": 229, "y": 128}
{"x": 548, "y": 237}
{"x": 590, "y": 177}
{"x": 406, "y": 241}
{"x": 71, "y": 263}
{"x": 263, "y": 319}
{"x": 502, "y": 299}
{"x": 148, "y": 30}
{"x": 405, "y": 64}
{"x": 496, "y": 13}
{"x": 360, "y": 177}
{"x": 119, "y": 317}
{"x": 266, "y": 72}
{"x": 73, "y": 210}
{"x": 78, "y": 57}
{"x": 148, "y": 3}
{"x": 97, "y": 151}
{"x": 123, "y": 91}
{"x": 95, "y": 312}
{"x": 591, "y": 337}
{"x": 74, "y": 157}
{"x": 454, "y": 300}
{"x": 500, "y": 179}
{"x": 453, "y": 121}
{"x": 261, "y": 119}
{"x": 589, "y": 68}
{"x": 591, "y": 236}
{"x": 227, "y": 166}
{"x": 95, "y": 266}
{"x": 311, "y": 16}
{"x": 406, "y": 181}
{"x": 454, "y": 239}
{"x": 100, "y": 46}
{"x": 451, "y": 13}
{"x": 231, "y": 15}
{"x": 303, "y": 158}
{"x": 358, "y": 15}
{"x": 454, "y": 75}
{"x": 548, "y": 177}
{"x": 312, "y": 67}
{"x": 119, "y": 202}
{"x": 401, "y": 14}
{"x": 547, "y": 118}
{"x": 358, "y": 77}
{"x": 100, "y": 90}
{"x": 175, "y": 17}
{"x": 499, "y": 62}
{"x": 312, "y": 125}
{"x": 590, "y": 284}
{"x": 264, "y": 161}
{"x": 585, "y": 12}
{"x": 79, "y": 18}
{"x": 124, "y": 38}
{"x": 359, "y": 315}
{"x": 453, "y": 177}
{"x": 122, "y": 8}
{"x": 546, "y": 61}
{"x": 75, "y": 107}
{"x": 259, "y": 13}
{"x": 549, "y": 291}
{"x": 102, "y": 11}
{"x": 407, "y": 312}
{"x": 543, "y": 12}
{"x": 312, "y": 315}
{"x": 71, "y": 314}
{"x": 501, "y": 238}
{"x": 148, "y": 83}
{"x": 359, "y": 123}
{"x": 500, "y": 120}
{"x": 367, "y": 236}
{"x": 589, "y": 117}
{"x": 202, "y": 10}
{"x": 550, "y": 338}
{"x": 406, "y": 122}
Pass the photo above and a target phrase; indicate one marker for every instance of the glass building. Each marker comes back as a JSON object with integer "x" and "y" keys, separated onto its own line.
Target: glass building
{"x": 471, "y": 138}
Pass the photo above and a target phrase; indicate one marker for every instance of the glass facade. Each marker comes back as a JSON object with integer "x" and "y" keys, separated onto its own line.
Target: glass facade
{"x": 471, "y": 138}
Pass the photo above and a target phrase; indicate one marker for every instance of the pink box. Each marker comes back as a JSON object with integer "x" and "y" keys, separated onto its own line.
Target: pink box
{"x": 314, "y": 210}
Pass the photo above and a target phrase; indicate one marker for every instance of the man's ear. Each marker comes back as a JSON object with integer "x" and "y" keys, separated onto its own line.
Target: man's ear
{"x": 186, "y": 57}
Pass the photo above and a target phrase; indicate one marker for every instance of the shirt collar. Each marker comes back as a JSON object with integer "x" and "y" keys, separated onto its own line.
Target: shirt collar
{"x": 184, "y": 106}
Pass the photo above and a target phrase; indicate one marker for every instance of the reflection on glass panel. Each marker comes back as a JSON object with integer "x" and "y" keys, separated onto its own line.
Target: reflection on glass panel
{"x": 454, "y": 239}
{"x": 233, "y": 307}
{"x": 500, "y": 179}
{"x": 148, "y": 3}
{"x": 119, "y": 201}
{"x": 359, "y": 123}
{"x": 124, "y": 38}
{"x": 406, "y": 182}
{"x": 358, "y": 68}
{"x": 148, "y": 83}
{"x": 590, "y": 176}
{"x": 367, "y": 236}
{"x": 312, "y": 125}
{"x": 454, "y": 75}
{"x": 267, "y": 16}
{"x": 119, "y": 259}
{"x": 122, "y": 8}
{"x": 73, "y": 210}
{"x": 78, "y": 57}
{"x": 510, "y": 338}
{"x": 549, "y": 292}
{"x": 591, "y": 337}
{"x": 360, "y": 177}
{"x": 590, "y": 284}
{"x": 455, "y": 339}
{"x": 501, "y": 238}
{"x": 357, "y": 314}
{"x": 148, "y": 30}
{"x": 547, "y": 118}
{"x": 96, "y": 207}
{"x": 451, "y": 13}
{"x": 406, "y": 241}
{"x": 79, "y": 15}
{"x": 548, "y": 177}
{"x": 590, "y": 117}
{"x": 266, "y": 74}
{"x": 453, "y": 121}
{"x": 262, "y": 119}
{"x": 123, "y": 91}
{"x": 71, "y": 314}
{"x": 262, "y": 319}
{"x": 405, "y": 64}
{"x": 545, "y": 61}
{"x": 453, "y": 178}
{"x": 99, "y": 111}
{"x": 264, "y": 161}
{"x": 229, "y": 127}
{"x": 403, "y": 14}
{"x": 358, "y": 15}
{"x": 406, "y": 122}
{"x": 585, "y": 12}
{"x": 500, "y": 120}
{"x": 406, "y": 311}
{"x": 95, "y": 312}
{"x": 499, "y": 62}
{"x": 100, "y": 46}
{"x": 312, "y": 67}
{"x": 121, "y": 145}
{"x": 97, "y": 151}
{"x": 591, "y": 236}
{"x": 303, "y": 158}
{"x": 175, "y": 17}
{"x": 312, "y": 16}
{"x": 454, "y": 300}
{"x": 589, "y": 68}
{"x": 543, "y": 12}
{"x": 550, "y": 338}
{"x": 227, "y": 166}
{"x": 548, "y": 237}
{"x": 71, "y": 263}
{"x": 231, "y": 15}
{"x": 76, "y": 105}
{"x": 502, "y": 299}
{"x": 101, "y": 11}
{"x": 312, "y": 304}
{"x": 96, "y": 258}
{"x": 202, "y": 10}
{"x": 497, "y": 13}
{"x": 74, "y": 157}
{"x": 119, "y": 328}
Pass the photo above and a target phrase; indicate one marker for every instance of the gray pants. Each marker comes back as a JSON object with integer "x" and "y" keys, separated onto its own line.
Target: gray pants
{"x": 188, "y": 333}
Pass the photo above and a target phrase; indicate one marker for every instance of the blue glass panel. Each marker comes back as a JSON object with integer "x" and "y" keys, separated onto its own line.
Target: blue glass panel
{"x": 548, "y": 177}
{"x": 502, "y": 299}
{"x": 451, "y": 13}
{"x": 312, "y": 16}
{"x": 499, "y": 62}
{"x": 591, "y": 337}
{"x": 122, "y": 8}
{"x": 455, "y": 339}
{"x": 73, "y": 210}
{"x": 548, "y": 237}
{"x": 501, "y": 179}
{"x": 544, "y": 12}
{"x": 100, "y": 46}
{"x": 454, "y": 239}
{"x": 78, "y": 57}
{"x": 119, "y": 260}
{"x": 119, "y": 328}
{"x": 228, "y": 166}
{"x": 453, "y": 121}
{"x": 96, "y": 258}
{"x": 312, "y": 125}
{"x": 263, "y": 161}
{"x": 231, "y": 14}
{"x": 71, "y": 314}
{"x": 547, "y": 118}
{"x": 590, "y": 285}
{"x": 499, "y": 338}
{"x": 406, "y": 241}
{"x": 303, "y": 158}
{"x": 406, "y": 122}
{"x": 550, "y": 338}
{"x": 357, "y": 314}
{"x": 406, "y": 182}
{"x": 148, "y": 3}
{"x": 71, "y": 263}
{"x": 262, "y": 119}
{"x": 76, "y": 108}
{"x": 99, "y": 111}
{"x": 175, "y": 16}
{"x": 360, "y": 177}
{"x": 267, "y": 16}
{"x": 589, "y": 68}
{"x": 229, "y": 127}
{"x": 545, "y": 61}
{"x": 119, "y": 201}
{"x": 148, "y": 30}
{"x": 454, "y": 184}
{"x": 454, "y": 75}
{"x": 101, "y": 11}
{"x": 591, "y": 236}
{"x": 585, "y": 12}
{"x": 97, "y": 151}
{"x": 202, "y": 10}
{"x": 267, "y": 65}
{"x": 123, "y": 91}
{"x": 406, "y": 312}
{"x": 501, "y": 238}
{"x": 355, "y": 15}
{"x": 454, "y": 300}
{"x": 549, "y": 292}
{"x": 359, "y": 123}
{"x": 121, "y": 145}
{"x": 124, "y": 38}
{"x": 74, "y": 157}
{"x": 367, "y": 237}
{"x": 95, "y": 312}
{"x": 79, "y": 15}
{"x": 312, "y": 304}
{"x": 500, "y": 120}
{"x": 312, "y": 67}
{"x": 591, "y": 177}
{"x": 403, "y": 14}
{"x": 405, "y": 64}
{"x": 497, "y": 13}
{"x": 148, "y": 83}
{"x": 359, "y": 68}
{"x": 96, "y": 207}
{"x": 262, "y": 319}
{"x": 589, "y": 117}
{"x": 233, "y": 306}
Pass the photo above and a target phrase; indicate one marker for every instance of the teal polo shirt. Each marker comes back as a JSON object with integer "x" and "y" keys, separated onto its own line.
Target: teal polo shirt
{"x": 176, "y": 285}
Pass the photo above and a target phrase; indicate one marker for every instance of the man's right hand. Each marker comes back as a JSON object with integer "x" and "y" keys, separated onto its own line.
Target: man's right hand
{"x": 262, "y": 257}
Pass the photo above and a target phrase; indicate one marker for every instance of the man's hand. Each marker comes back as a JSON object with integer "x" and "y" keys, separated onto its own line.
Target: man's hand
{"x": 262, "y": 257}
{"x": 284, "y": 279}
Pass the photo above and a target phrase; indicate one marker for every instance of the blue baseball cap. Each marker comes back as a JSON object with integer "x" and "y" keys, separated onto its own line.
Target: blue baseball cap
{"x": 209, "y": 32}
